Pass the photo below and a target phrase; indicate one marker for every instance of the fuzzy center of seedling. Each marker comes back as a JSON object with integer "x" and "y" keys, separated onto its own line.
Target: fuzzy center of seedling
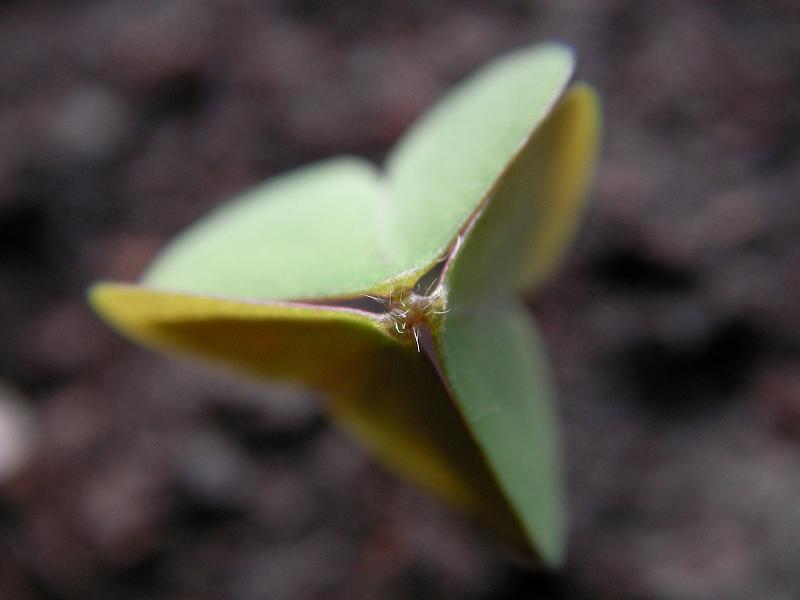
{"x": 408, "y": 313}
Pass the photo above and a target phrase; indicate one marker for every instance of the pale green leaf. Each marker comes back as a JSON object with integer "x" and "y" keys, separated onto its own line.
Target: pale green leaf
{"x": 498, "y": 373}
{"x": 307, "y": 234}
{"x": 452, "y": 157}
{"x": 520, "y": 236}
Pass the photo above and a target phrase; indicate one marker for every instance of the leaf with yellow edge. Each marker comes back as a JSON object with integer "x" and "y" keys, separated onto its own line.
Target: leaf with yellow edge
{"x": 396, "y": 406}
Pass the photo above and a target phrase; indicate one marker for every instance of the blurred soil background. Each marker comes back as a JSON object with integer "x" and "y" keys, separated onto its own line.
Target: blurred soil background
{"x": 674, "y": 326}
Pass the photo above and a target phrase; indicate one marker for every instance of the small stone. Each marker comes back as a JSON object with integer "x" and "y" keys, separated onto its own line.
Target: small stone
{"x": 17, "y": 433}
{"x": 90, "y": 123}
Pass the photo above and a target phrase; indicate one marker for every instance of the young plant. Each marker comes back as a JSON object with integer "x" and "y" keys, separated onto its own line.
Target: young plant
{"x": 395, "y": 291}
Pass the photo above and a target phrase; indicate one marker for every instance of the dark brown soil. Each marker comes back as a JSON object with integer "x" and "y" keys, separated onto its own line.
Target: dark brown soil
{"x": 674, "y": 326}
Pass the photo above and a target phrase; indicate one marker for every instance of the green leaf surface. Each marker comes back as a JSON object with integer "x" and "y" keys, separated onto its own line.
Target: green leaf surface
{"x": 519, "y": 237}
{"x": 498, "y": 373}
{"x": 306, "y": 234}
{"x": 452, "y": 157}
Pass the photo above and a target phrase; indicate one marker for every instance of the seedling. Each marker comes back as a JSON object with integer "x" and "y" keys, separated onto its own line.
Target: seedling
{"x": 395, "y": 291}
